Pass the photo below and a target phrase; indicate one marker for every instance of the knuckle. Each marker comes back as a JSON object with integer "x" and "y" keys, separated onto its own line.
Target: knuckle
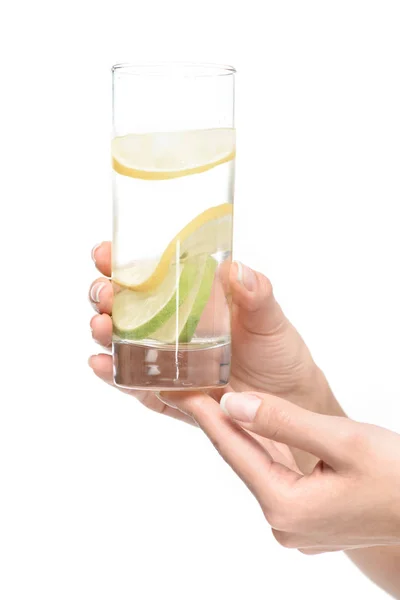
{"x": 198, "y": 404}
{"x": 275, "y": 419}
{"x": 279, "y": 518}
{"x": 288, "y": 513}
{"x": 352, "y": 438}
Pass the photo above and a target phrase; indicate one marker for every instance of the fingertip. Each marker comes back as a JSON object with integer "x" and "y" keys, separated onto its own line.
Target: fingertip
{"x": 241, "y": 406}
{"x": 244, "y": 276}
{"x": 235, "y": 284}
{"x": 236, "y": 273}
{"x": 223, "y": 402}
{"x": 96, "y": 290}
{"x": 250, "y": 289}
{"x": 101, "y": 326}
{"x": 242, "y": 295}
{"x": 101, "y": 255}
{"x": 102, "y": 367}
{"x": 100, "y": 363}
{"x": 95, "y": 361}
{"x": 93, "y": 322}
{"x": 101, "y": 295}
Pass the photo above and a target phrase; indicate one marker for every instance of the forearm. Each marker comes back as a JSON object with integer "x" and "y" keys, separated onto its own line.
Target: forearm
{"x": 381, "y": 564}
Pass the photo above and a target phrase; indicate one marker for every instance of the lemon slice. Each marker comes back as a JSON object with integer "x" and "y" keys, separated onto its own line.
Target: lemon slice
{"x": 208, "y": 233}
{"x": 133, "y": 276}
{"x": 181, "y": 326}
{"x": 136, "y": 315}
{"x": 171, "y": 154}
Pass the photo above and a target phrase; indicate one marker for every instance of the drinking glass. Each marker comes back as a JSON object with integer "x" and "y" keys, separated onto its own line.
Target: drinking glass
{"x": 173, "y": 158}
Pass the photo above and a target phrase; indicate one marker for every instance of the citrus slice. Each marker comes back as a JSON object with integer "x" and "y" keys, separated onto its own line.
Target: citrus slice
{"x": 167, "y": 155}
{"x": 182, "y": 325}
{"x": 136, "y": 315}
{"x": 133, "y": 275}
{"x": 208, "y": 233}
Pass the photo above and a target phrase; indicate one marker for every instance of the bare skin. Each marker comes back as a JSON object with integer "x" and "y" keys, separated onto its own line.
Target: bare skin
{"x": 268, "y": 354}
{"x": 350, "y": 500}
{"x": 269, "y": 358}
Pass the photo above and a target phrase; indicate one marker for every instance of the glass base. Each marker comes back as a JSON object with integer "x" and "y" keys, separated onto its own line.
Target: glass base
{"x": 137, "y": 366}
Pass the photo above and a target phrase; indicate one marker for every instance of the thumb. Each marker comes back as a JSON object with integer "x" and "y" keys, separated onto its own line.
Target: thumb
{"x": 253, "y": 296}
{"x": 282, "y": 421}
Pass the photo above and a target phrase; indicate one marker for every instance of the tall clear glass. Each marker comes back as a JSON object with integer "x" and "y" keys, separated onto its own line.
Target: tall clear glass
{"x": 173, "y": 157}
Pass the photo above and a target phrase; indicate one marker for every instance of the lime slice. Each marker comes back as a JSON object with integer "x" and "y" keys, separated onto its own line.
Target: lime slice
{"x": 182, "y": 326}
{"x": 168, "y": 155}
{"x": 136, "y": 315}
{"x": 202, "y": 297}
{"x": 208, "y": 233}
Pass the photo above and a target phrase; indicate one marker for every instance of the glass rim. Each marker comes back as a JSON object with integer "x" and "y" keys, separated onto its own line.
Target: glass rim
{"x": 183, "y": 69}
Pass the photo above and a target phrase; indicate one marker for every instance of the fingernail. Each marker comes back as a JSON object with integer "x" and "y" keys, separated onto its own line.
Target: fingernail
{"x": 94, "y": 252}
{"x": 95, "y": 291}
{"x": 246, "y": 276}
{"x": 242, "y": 407}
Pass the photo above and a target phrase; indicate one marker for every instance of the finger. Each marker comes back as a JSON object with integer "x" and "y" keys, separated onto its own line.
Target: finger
{"x": 238, "y": 448}
{"x": 258, "y": 311}
{"x": 101, "y": 326}
{"x": 279, "y": 453}
{"x": 284, "y": 422}
{"x": 101, "y": 295}
{"x": 209, "y": 325}
{"x": 101, "y": 256}
{"x": 102, "y": 366}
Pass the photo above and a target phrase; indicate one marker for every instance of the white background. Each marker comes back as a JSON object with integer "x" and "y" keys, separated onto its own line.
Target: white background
{"x": 99, "y": 498}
